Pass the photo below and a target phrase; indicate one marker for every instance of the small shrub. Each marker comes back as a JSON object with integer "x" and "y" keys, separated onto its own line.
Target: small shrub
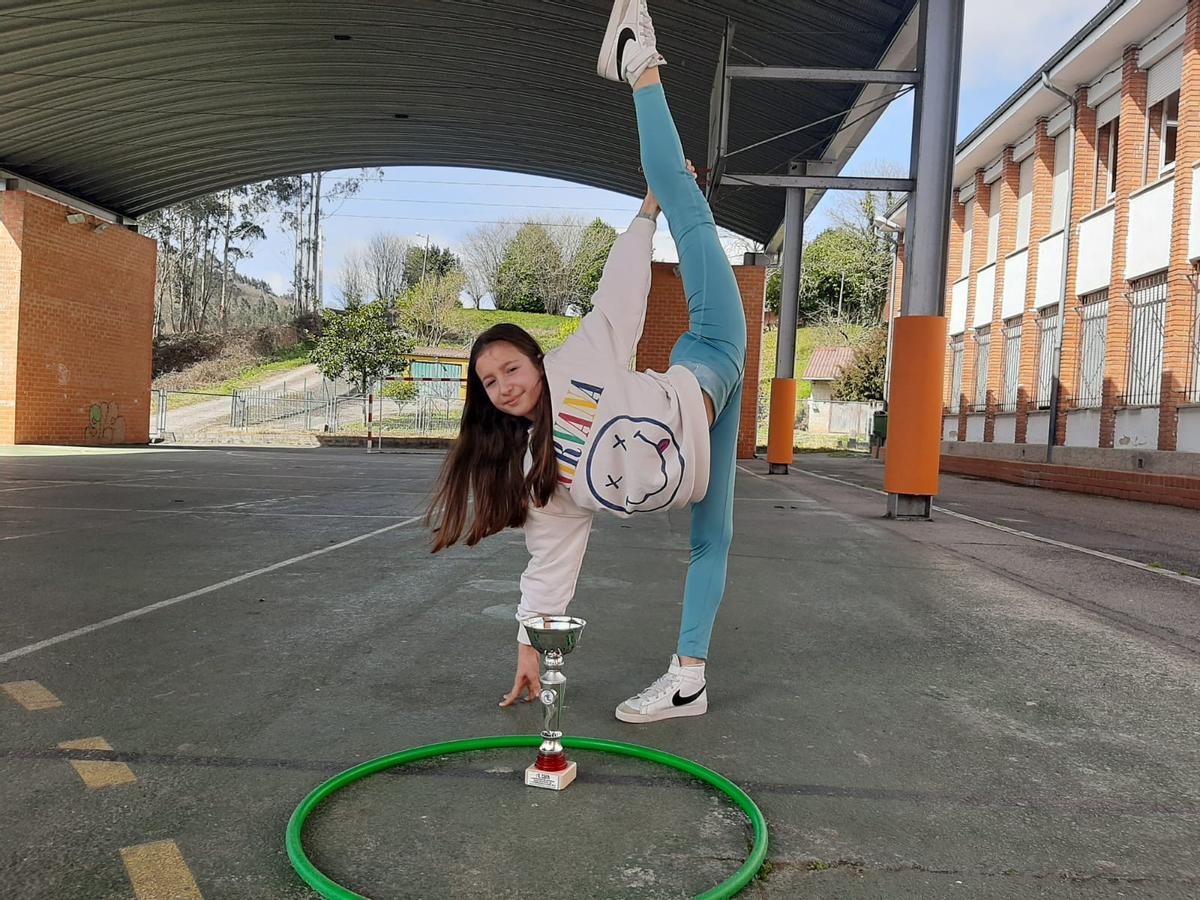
{"x": 401, "y": 391}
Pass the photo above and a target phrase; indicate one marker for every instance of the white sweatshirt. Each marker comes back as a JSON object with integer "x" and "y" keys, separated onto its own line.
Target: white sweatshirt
{"x": 627, "y": 442}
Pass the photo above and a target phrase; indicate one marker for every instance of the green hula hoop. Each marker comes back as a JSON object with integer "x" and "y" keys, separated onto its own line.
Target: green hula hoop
{"x": 328, "y": 888}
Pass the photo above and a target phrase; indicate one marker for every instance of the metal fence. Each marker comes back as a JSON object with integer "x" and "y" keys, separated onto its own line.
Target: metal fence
{"x": 302, "y": 411}
{"x": 1093, "y": 339}
{"x": 983, "y": 353}
{"x": 1012, "y": 365}
{"x": 957, "y": 345}
{"x": 1048, "y": 323}
{"x": 1147, "y": 330}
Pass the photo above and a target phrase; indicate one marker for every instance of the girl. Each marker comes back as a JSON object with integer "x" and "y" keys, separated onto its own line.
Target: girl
{"x": 548, "y": 440}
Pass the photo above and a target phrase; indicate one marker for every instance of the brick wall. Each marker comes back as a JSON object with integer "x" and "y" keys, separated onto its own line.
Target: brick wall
{"x": 1005, "y": 192}
{"x": 1176, "y": 490}
{"x": 667, "y": 319}
{"x": 83, "y": 325}
{"x": 1181, "y": 293}
{"x": 11, "y": 231}
{"x": 1040, "y": 223}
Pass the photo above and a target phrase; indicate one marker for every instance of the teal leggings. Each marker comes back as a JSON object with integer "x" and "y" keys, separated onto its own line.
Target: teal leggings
{"x": 713, "y": 347}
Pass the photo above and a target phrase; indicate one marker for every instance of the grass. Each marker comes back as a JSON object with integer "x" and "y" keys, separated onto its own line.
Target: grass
{"x": 546, "y": 328}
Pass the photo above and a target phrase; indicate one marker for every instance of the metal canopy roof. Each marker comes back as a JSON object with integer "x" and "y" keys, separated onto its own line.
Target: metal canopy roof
{"x": 136, "y": 105}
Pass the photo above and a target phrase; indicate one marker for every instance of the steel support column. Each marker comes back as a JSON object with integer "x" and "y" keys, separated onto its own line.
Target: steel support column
{"x": 914, "y": 427}
{"x": 781, "y": 430}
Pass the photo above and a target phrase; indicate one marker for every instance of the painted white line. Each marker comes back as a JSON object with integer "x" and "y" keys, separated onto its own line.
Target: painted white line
{"x": 162, "y": 604}
{"x": 1099, "y": 554}
{"x": 204, "y": 511}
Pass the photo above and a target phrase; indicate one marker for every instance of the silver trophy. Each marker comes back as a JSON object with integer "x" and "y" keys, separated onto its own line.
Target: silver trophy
{"x": 554, "y": 637}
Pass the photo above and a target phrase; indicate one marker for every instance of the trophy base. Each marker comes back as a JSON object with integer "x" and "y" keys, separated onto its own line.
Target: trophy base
{"x": 555, "y": 781}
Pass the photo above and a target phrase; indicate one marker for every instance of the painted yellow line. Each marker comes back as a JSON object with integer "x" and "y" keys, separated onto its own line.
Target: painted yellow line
{"x": 30, "y": 694}
{"x": 158, "y": 872}
{"x": 98, "y": 773}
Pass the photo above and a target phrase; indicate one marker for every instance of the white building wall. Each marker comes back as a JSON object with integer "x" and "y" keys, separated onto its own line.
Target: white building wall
{"x": 1095, "y": 252}
{"x": 1151, "y": 212}
{"x": 1083, "y": 428}
{"x": 1137, "y": 428}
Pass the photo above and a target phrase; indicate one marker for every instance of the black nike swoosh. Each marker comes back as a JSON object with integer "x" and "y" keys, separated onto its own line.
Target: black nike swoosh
{"x": 625, "y": 37}
{"x": 677, "y": 700}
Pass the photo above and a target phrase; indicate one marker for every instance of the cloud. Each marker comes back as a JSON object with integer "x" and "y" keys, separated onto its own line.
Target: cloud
{"x": 1009, "y": 40}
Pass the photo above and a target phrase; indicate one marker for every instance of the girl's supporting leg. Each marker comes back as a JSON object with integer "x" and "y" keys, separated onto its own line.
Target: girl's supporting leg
{"x": 712, "y": 533}
{"x": 714, "y": 348}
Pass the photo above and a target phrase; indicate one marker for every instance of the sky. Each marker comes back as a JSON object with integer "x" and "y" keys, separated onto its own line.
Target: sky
{"x": 1003, "y": 44}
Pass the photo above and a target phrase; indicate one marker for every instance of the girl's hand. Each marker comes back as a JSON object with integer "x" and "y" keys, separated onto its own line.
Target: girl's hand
{"x": 528, "y": 676}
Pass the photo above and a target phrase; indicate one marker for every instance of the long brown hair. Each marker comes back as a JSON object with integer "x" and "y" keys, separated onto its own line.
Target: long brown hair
{"x": 485, "y": 464}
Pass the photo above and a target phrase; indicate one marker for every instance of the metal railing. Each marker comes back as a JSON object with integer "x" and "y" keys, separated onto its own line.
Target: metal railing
{"x": 954, "y": 401}
{"x": 1093, "y": 341}
{"x": 1012, "y": 365}
{"x": 983, "y": 354}
{"x": 1147, "y": 299}
{"x": 1048, "y": 324}
{"x": 1192, "y": 389}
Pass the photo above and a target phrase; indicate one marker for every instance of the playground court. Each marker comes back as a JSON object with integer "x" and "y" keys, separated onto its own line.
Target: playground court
{"x": 920, "y": 710}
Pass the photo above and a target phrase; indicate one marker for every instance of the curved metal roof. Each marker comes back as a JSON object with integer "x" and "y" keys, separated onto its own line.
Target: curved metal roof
{"x": 136, "y": 105}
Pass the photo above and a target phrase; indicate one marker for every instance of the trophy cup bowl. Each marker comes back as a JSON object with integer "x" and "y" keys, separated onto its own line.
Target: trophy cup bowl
{"x": 553, "y": 637}
{"x": 548, "y": 633}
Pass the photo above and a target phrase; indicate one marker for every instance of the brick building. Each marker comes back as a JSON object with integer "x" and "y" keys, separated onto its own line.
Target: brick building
{"x": 1074, "y": 257}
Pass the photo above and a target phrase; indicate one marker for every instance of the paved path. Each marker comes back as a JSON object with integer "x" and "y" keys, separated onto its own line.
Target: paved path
{"x": 922, "y": 710}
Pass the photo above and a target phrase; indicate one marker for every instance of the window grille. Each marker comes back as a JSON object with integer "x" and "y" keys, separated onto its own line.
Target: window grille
{"x": 1147, "y": 327}
{"x": 1048, "y": 323}
{"x": 1012, "y": 364}
{"x": 956, "y": 373}
{"x": 983, "y": 353}
{"x": 1193, "y": 380}
{"x": 1093, "y": 338}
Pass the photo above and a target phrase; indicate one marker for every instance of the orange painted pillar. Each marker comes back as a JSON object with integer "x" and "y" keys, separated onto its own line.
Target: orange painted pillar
{"x": 781, "y": 435}
{"x": 914, "y": 444}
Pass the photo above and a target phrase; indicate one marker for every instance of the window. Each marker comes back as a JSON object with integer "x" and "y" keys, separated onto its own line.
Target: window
{"x": 1147, "y": 326}
{"x": 968, "y": 231}
{"x": 1047, "y": 322}
{"x": 956, "y": 373}
{"x": 1062, "y": 177}
{"x": 1108, "y": 138}
{"x": 993, "y": 235}
{"x": 1012, "y": 364}
{"x": 983, "y": 353}
{"x": 1093, "y": 338}
{"x": 1025, "y": 203}
{"x": 1163, "y": 141}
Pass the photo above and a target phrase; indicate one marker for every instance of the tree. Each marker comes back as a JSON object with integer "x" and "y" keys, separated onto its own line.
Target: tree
{"x": 587, "y": 263}
{"x": 424, "y": 310}
{"x": 384, "y": 261}
{"x": 354, "y": 280}
{"x": 862, "y": 379}
{"x": 431, "y": 262}
{"x": 482, "y": 256}
{"x": 361, "y": 345}
{"x": 527, "y": 274}
{"x": 845, "y": 276}
{"x": 809, "y": 309}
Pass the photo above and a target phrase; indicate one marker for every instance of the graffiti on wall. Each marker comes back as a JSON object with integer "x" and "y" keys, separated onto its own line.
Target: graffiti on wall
{"x": 105, "y": 425}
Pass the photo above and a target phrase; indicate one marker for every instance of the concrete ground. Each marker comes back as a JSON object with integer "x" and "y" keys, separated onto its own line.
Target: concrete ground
{"x": 931, "y": 710}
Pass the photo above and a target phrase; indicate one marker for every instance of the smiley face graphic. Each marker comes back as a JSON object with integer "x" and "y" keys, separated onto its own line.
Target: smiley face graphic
{"x": 634, "y": 465}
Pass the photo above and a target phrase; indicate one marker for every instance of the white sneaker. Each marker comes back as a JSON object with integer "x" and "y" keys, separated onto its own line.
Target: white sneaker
{"x": 681, "y": 692}
{"x": 629, "y": 48}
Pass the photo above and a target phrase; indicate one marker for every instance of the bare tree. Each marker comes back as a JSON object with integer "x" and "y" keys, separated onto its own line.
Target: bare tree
{"x": 384, "y": 260}
{"x": 354, "y": 280}
{"x": 482, "y": 255}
